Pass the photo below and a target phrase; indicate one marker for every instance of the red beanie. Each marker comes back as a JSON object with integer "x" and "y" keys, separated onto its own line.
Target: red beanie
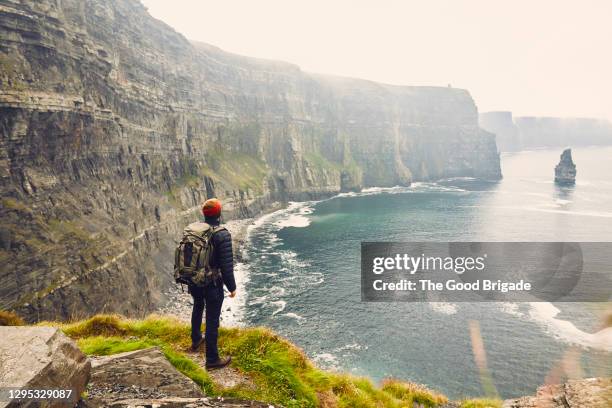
{"x": 211, "y": 208}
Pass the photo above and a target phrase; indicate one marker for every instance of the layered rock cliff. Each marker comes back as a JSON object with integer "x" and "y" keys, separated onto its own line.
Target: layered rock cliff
{"x": 115, "y": 127}
{"x": 537, "y": 132}
{"x": 529, "y": 132}
{"x": 502, "y": 125}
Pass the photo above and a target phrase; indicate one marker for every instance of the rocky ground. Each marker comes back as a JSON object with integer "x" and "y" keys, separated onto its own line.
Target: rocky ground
{"x": 146, "y": 378}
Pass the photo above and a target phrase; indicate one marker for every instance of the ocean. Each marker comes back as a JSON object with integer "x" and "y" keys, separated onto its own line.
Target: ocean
{"x": 302, "y": 279}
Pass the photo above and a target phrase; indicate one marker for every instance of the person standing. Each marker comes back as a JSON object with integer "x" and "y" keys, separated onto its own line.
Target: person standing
{"x": 210, "y": 296}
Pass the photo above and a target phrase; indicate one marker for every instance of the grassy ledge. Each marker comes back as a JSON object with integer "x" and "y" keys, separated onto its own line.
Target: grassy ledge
{"x": 281, "y": 372}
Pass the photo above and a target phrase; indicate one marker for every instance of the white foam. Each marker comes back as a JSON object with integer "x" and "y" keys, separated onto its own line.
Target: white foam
{"x": 444, "y": 307}
{"x": 353, "y": 346}
{"x": 296, "y": 215}
{"x": 294, "y": 316}
{"x": 280, "y": 304}
{"x": 545, "y": 314}
{"x": 510, "y": 308}
{"x": 327, "y": 360}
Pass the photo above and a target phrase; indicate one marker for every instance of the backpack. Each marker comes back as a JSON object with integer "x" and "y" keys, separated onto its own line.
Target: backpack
{"x": 193, "y": 255}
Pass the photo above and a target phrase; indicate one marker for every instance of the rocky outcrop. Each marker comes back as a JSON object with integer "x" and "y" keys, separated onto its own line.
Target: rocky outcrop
{"x": 587, "y": 393}
{"x": 565, "y": 171}
{"x": 42, "y": 358}
{"x": 115, "y": 127}
{"x": 502, "y": 125}
{"x": 146, "y": 378}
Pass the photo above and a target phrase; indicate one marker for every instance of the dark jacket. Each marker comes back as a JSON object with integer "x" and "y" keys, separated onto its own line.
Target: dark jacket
{"x": 223, "y": 256}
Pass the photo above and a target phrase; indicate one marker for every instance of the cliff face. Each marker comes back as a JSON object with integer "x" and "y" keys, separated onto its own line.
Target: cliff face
{"x": 559, "y": 132}
{"x": 115, "y": 127}
{"x": 501, "y": 124}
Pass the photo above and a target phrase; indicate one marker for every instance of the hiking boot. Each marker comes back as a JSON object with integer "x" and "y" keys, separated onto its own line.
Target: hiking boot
{"x": 220, "y": 363}
{"x": 196, "y": 346}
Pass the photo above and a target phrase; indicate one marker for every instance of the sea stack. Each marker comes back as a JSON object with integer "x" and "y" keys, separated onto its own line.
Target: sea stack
{"x": 565, "y": 172}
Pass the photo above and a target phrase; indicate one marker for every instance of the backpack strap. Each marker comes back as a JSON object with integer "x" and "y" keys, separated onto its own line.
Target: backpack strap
{"x": 218, "y": 228}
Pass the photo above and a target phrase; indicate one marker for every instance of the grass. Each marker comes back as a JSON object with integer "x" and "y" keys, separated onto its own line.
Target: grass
{"x": 239, "y": 170}
{"x": 481, "y": 403}
{"x": 281, "y": 372}
{"x": 10, "y": 319}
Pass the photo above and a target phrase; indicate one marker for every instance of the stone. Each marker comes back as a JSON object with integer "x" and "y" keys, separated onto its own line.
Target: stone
{"x": 585, "y": 393}
{"x": 42, "y": 358}
{"x": 565, "y": 171}
{"x": 146, "y": 378}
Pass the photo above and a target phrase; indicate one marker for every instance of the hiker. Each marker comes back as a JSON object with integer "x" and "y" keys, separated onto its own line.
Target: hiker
{"x": 205, "y": 280}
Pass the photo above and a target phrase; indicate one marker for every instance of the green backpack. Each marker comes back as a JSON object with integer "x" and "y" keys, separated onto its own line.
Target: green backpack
{"x": 193, "y": 254}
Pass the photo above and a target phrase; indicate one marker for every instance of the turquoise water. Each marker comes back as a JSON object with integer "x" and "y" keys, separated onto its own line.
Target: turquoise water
{"x": 303, "y": 276}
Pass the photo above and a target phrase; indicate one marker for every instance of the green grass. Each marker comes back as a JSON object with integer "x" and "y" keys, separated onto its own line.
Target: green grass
{"x": 237, "y": 170}
{"x": 281, "y": 372}
{"x": 481, "y": 403}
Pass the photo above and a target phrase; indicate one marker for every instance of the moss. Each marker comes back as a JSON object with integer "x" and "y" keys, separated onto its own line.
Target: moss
{"x": 9, "y": 74}
{"x": 15, "y": 205}
{"x": 239, "y": 170}
{"x": 10, "y": 319}
{"x": 481, "y": 403}
{"x": 68, "y": 228}
{"x": 321, "y": 163}
{"x": 282, "y": 373}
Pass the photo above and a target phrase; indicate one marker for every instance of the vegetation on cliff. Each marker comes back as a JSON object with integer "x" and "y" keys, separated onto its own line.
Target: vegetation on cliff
{"x": 282, "y": 373}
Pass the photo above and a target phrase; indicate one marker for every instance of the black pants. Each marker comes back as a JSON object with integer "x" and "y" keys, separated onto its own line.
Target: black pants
{"x": 211, "y": 297}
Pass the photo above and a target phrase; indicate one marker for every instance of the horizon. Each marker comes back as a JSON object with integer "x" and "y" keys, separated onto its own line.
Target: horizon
{"x": 476, "y": 45}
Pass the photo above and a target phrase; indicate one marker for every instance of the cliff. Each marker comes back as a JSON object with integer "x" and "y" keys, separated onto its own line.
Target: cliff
{"x": 502, "y": 125}
{"x": 559, "y": 132}
{"x": 529, "y": 132}
{"x": 115, "y": 127}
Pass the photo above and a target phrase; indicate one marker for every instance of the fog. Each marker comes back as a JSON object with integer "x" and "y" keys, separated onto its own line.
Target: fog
{"x": 546, "y": 58}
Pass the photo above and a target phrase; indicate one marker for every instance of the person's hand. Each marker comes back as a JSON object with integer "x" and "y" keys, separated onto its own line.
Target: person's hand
{"x": 232, "y": 294}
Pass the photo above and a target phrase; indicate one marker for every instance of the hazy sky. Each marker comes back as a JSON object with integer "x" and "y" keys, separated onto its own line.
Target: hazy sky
{"x": 533, "y": 57}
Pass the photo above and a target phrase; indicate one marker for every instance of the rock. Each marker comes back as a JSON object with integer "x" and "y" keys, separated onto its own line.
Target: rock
{"x": 565, "y": 171}
{"x": 42, "y": 358}
{"x": 587, "y": 393}
{"x": 141, "y": 374}
{"x": 146, "y": 378}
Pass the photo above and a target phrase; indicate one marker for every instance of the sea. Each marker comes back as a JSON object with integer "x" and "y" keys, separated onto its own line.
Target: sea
{"x": 301, "y": 277}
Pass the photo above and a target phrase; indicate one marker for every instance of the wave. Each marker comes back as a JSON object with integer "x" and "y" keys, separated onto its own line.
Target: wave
{"x": 545, "y": 314}
{"x": 327, "y": 361}
{"x": 280, "y": 304}
{"x": 443, "y": 307}
{"x": 296, "y": 215}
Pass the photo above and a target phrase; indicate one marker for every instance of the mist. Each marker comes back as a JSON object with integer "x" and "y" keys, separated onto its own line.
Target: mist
{"x": 544, "y": 58}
